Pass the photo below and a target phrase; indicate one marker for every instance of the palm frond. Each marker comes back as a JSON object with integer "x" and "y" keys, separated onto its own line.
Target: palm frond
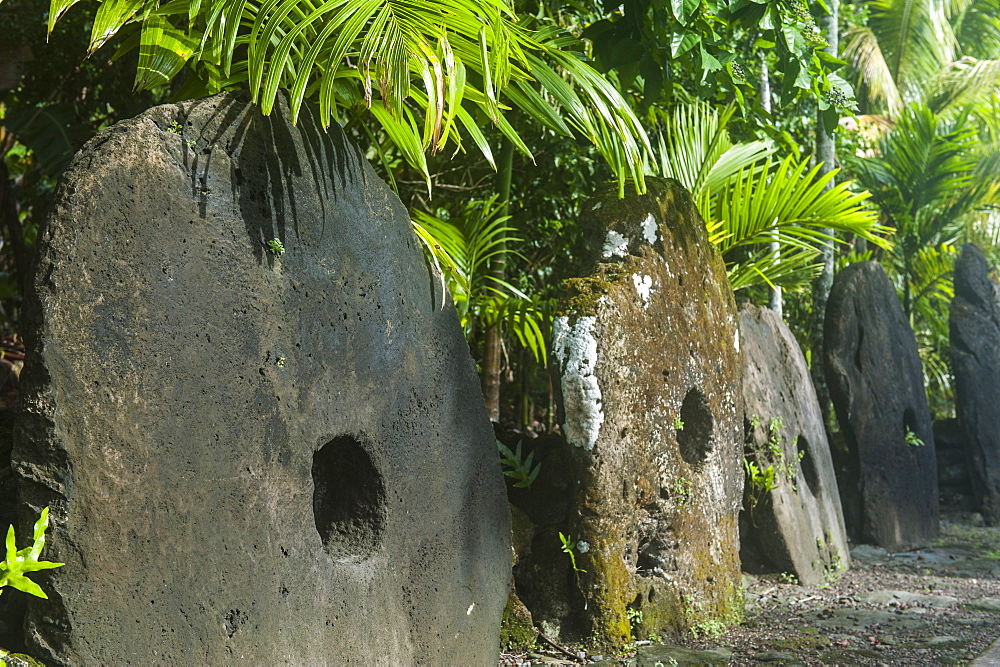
{"x": 465, "y": 249}
{"x": 425, "y": 68}
{"x": 930, "y": 277}
{"x": 521, "y": 317}
{"x": 965, "y": 81}
{"x": 785, "y": 203}
{"x": 863, "y": 51}
{"x": 695, "y": 148}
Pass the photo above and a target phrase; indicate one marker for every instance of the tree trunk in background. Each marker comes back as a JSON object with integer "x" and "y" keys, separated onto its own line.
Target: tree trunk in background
{"x": 826, "y": 154}
{"x": 12, "y": 224}
{"x": 491, "y": 337}
{"x": 764, "y": 92}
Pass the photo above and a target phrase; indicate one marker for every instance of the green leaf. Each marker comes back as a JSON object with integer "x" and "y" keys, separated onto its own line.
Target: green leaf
{"x": 682, "y": 42}
{"x": 163, "y": 52}
{"x": 684, "y": 9}
{"x": 18, "y": 563}
{"x": 56, "y": 9}
{"x": 708, "y": 61}
{"x": 49, "y": 132}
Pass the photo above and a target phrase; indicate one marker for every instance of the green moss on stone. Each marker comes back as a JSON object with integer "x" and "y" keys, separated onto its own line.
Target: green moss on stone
{"x": 584, "y": 294}
{"x": 612, "y": 594}
{"x": 517, "y": 632}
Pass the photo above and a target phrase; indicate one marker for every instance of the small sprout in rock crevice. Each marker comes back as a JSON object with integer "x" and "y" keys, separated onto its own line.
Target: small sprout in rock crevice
{"x": 678, "y": 424}
{"x": 276, "y": 247}
{"x": 683, "y": 489}
{"x": 280, "y": 361}
{"x": 912, "y": 439}
{"x": 567, "y": 546}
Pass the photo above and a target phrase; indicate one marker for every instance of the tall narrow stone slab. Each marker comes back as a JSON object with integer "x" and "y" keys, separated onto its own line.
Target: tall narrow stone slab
{"x": 797, "y": 526}
{"x": 975, "y": 356}
{"x": 888, "y": 482}
{"x": 648, "y": 362}
{"x": 252, "y": 456}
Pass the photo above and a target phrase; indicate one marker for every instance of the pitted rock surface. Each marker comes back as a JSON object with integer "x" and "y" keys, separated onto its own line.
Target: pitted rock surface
{"x": 888, "y": 470}
{"x": 798, "y": 526}
{"x": 252, "y": 456}
{"x": 648, "y": 359}
{"x": 975, "y": 354}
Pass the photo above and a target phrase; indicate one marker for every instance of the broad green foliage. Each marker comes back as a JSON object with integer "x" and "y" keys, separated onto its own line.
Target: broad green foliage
{"x": 464, "y": 250}
{"x": 749, "y": 200}
{"x": 431, "y": 72}
{"x": 709, "y": 46}
{"x": 19, "y": 563}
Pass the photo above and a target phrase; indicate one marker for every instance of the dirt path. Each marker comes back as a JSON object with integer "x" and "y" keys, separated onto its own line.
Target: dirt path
{"x": 933, "y": 606}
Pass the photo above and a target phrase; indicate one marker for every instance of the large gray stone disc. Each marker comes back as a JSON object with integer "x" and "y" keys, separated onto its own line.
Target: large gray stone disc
{"x": 888, "y": 485}
{"x": 252, "y": 457}
{"x": 797, "y": 527}
{"x": 650, "y": 375}
{"x": 975, "y": 356}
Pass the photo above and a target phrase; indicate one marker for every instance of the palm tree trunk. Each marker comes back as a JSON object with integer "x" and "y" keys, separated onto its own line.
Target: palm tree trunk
{"x": 491, "y": 340}
{"x": 826, "y": 155}
{"x": 764, "y": 92}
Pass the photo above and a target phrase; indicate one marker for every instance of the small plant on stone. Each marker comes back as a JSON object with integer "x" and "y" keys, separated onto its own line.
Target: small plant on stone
{"x": 177, "y": 128}
{"x": 517, "y": 467}
{"x": 912, "y": 439}
{"x": 16, "y": 564}
{"x": 788, "y": 578}
{"x": 711, "y": 629}
{"x": 683, "y": 489}
{"x": 759, "y": 483}
{"x": 678, "y": 424}
{"x": 276, "y": 247}
{"x": 568, "y": 545}
{"x": 634, "y": 616}
{"x": 765, "y": 479}
{"x": 280, "y": 361}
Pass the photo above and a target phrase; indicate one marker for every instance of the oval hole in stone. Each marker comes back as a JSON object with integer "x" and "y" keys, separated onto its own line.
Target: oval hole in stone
{"x": 808, "y": 466}
{"x": 348, "y": 499}
{"x": 695, "y": 438}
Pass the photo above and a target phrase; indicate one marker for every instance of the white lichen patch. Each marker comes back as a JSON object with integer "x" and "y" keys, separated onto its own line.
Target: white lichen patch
{"x": 736, "y": 340}
{"x": 575, "y": 347}
{"x": 615, "y": 245}
{"x": 644, "y": 286}
{"x": 595, "y": 206}
{"x": 649, "y": 230}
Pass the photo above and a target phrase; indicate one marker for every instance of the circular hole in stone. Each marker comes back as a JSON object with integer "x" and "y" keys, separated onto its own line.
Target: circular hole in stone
{"x": 808, "y": 466}
{"x": 695, "y": 436}
{"x": 348, "y": 499}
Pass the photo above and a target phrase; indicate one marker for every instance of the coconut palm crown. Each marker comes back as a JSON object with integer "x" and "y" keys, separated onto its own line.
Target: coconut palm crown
{"x": 943, "y": 53}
